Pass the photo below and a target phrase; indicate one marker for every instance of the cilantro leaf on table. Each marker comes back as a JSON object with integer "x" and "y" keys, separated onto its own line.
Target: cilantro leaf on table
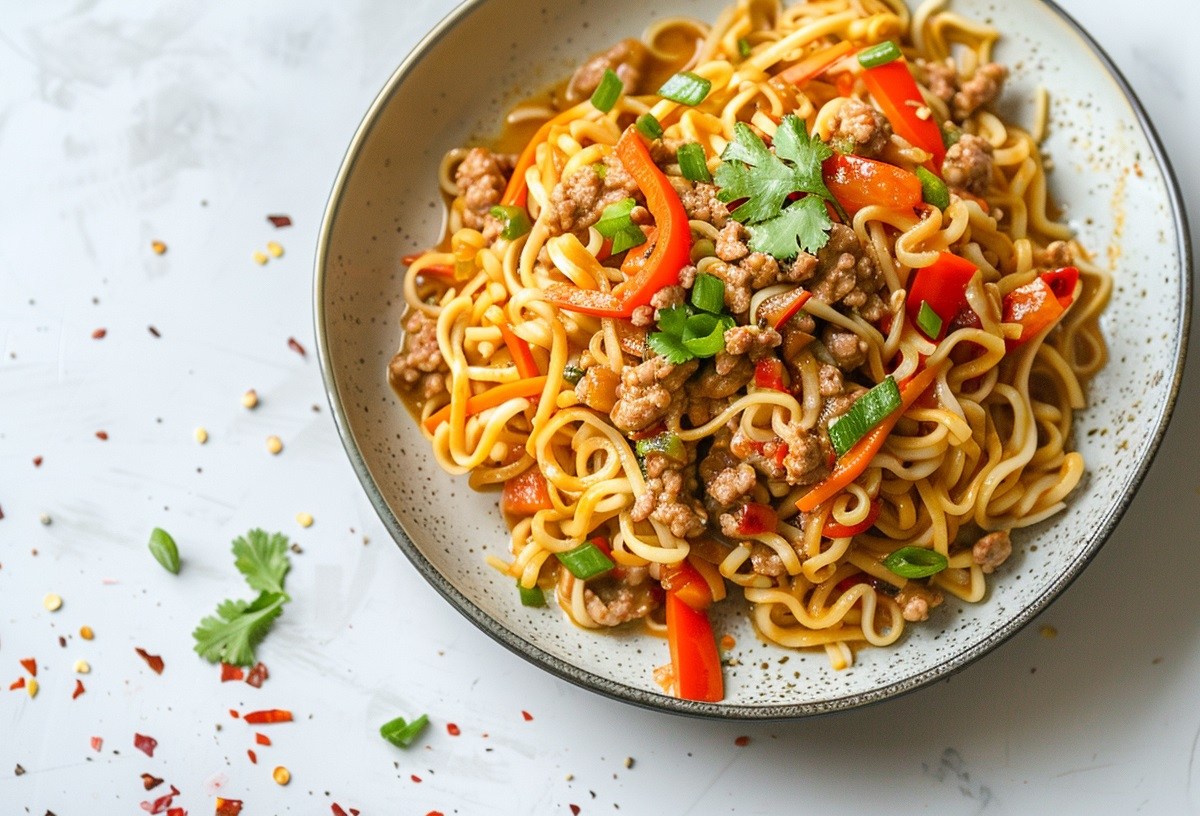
{"x": 262, "y": 559}
{"x": 803, "y": 225}
{"x": 238, "y": 626}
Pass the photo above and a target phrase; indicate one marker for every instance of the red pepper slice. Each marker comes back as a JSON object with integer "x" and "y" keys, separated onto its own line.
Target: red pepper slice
{"x": 857, "y": 182}
{"x": 271, "y": 715}
{"x": 519, "y": 349}
{"x": 779, "y": 309}
{"x": 1062, "y": 282}
{"x": 943, "y": 285}
{"x": 754, "y": 518}
{"x": 1039, "y": 303}
{"x": 694, "y": 657}
{"x": 645, "y": 275}
{"x": 815, "y": 64}
{"x": 834, "y": 530}
{"x": 768, "y": 373}
{"x": 898, "y": 95}
{"x": 686, "y": 582}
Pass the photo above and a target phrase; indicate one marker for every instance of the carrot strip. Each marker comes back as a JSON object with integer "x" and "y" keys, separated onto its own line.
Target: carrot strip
{"x": 522, "y": 356}
{"x": 517, "y": 191}
{"x": 815, "y": 64}
{"x": 856, "y": 460}
{"x": 489, "y": 399}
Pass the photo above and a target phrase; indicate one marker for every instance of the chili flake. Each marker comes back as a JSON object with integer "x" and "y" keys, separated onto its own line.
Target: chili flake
{"x": 30, "y": 665}
{"x": 453, "y": 730}
{"x": 99, "y": 334}
{"x": 19, "y": 683}
{"x": 257, "y": 675}
{"x": 280, "y": 220}
{"x": 527, "y": 716}
{"x": 337, "y": 810}
{"x": 295, "y": 346}
{"x": 102, "y": 436}
{"x": 281, "y": 775}
{"x": 228, "y": 807}
{"x": 97, "y": 743}
{"x": 153, "y": 331}
{"x": 231, "y": 672}
{"x": 262, "y": 739}
{"x": 161, "y": 804}
{"x": 150, "y": 782}
{"x": 233, "y": 713}
{"x": 742, "y": 741}
{"x": 145, "y": 744}
{"x": 86, "y": 632}
{"x": 37, "y": 461}
{"x": 52, "y": 602}
{"x": 153, "y": 661}
{"x": 271, "y": 715}
{"x": 253, "y": 756}
{"x": 574, "y": 809}
{"x": 79, "y": 689}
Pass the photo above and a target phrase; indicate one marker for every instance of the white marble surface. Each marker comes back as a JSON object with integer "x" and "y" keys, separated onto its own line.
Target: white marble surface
{"x": 127, "y": 122}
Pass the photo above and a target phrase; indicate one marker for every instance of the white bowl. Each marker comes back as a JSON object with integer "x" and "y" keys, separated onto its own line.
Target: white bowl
{"x": 454, "y": 88}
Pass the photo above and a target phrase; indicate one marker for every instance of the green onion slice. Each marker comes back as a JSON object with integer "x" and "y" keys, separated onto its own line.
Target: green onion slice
{"x": 668, "y": 444}
{"x": 867, "y": 411}
{"x": 585, "y": 561}
{"x": 572, "y": 374}
{"x": 915, "y": 562}
{"x": 608, "y": 91}
{"x": 686, "y": 88}
{"x": 515, "y": 221}
{"x": 704, "y": 334}
{"x": 933, "y": 189}
{"x": 614, "y": 223}
{"x": 649, "y": 126}
{"x": 881, "y": 54}
{"x": 401, "y": 733}
{"x": 531, "y": 596}
{"x": 929, "y": 321}
{"x": 693, "y": 163}
{"x": 743, "y": 48}
{"x": 708, "y": 293}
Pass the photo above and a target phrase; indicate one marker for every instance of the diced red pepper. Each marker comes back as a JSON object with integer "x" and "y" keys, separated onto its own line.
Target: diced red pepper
{"x": 857, "y": 182}
{"x": 519, "y": 349}
{"x": 779, "y": 309}
{"x": 834, "y": 530}
{"x": 526, "y": 493}
{"x": 943, "y": 285}
{"x": 272, "y": 715}
{"x": 768, "y": 373}
{"x": 1062, "y": 283}
{"x": 1039, "y": 303}
{"x": 694, "y": 658}
{"x": 754, "y": 518}
{"x": 894, "y": 88}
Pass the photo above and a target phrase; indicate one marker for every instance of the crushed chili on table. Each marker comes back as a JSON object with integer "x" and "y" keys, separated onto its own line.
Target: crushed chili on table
{"x": 153, "y": 661}
{"x": 231, "y": 672}
{"x": 97, "y": 743}
{"x": 279, "y": 221}
{"x": 228, "y": 807}
{"x": 257, "y": 675}
{"x": 295, "y": 346}
{"x": 527, "y": 716}
{"x": 262, "y": 739}
{"x": 162, "y": 803}
{"x": 150, "y": 782}
{"x": 30, "y": 665}
{"x": 145, "y": 744}
{"x": 98, "y": 334}
{"x": 79, "y": 689}
{"x": 253, "y": 756}
{"x": 271, "y": 715}
{"x": 453, "y": 730}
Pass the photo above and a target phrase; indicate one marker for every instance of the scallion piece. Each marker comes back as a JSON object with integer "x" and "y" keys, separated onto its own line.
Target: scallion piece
{"x": 608, "y": 91}
{"x": 649, "y": 126}
{"x": 600, "y": 168}
{"x": 686, "y": 88}
{"x": 881, "y": 54}
{"x": 572, "y": 374}
{"x": 708, "y": 293}
{"x": 401, "y": 733}
{"x": 867, "y": 411}
{"x": 668, "y": 444}
{"x": 585, "y": 561}
{"x": 929, "y": 321}
{"x": 933, "y": 189}
{"x": 743, "y": 48}
{"x": 915, "y": 562}
{"x": 704, "y": 335}
{"x": 515, "y": 221}
{"x": 615, "y": 223}
{"x": 531, "y": 596}
{"x": 693, "y": 163}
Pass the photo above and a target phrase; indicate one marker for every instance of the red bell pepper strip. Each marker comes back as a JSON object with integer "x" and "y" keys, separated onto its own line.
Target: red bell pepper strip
{"x": 894, "y": 88}
{"x": 768, "y": 373}
{"x": 857, "y": 182}
{"x": 526, "y": 493}
{"x": 815, "y": 64}
{"x": 852, "y": 464}
{"x": 686, "y": 582}
{"x": 834, "y": 530}
{"x": 779, "y": 309}
{"x": 489, "y": 399}
{"x": 519, "y": 349}
{"x": 644, "y": 274}
{"x": 694, "y": 657}
{"x": 754, "y": 518}
{"x": 943, "y": 285}
{"x": 1039, "y": 303}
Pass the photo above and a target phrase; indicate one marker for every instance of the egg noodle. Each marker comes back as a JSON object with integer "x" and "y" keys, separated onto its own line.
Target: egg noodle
{"x": 984, "y": 449}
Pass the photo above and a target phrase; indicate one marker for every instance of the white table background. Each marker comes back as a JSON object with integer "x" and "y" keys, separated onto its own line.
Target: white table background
{"x": 127, "y": 122}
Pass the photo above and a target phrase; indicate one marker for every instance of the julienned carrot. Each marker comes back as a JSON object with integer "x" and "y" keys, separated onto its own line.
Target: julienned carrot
{"x": 850, "y": 466}
{"x": 815, "y": 64}
{"x": 522, "y": 356}
{"x": 489, "y": 399}
{"x": 517, "y": 191}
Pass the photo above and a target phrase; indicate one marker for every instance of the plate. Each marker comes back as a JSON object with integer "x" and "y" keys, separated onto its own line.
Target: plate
{"x": 1110, "y": 174}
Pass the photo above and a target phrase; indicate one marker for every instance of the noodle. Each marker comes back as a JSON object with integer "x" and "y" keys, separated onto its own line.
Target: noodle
{"x": 720, "y": 474}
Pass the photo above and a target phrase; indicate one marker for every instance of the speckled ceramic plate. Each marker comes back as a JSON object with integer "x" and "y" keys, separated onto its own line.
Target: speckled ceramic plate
{"x": 1111, "y": 176}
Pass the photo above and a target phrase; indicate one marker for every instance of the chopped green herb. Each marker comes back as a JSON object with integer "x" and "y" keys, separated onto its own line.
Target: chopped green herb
{"x": 601, "y": 169}
{"x": 514, "y": 221}
{"x": 668, "y": 444}
{"x": 649, "y": 126}
{"x": 608, "y": 91}
{"x": 401, "y": 733}
{"x": 933, "y": 189}
{"x": 867, "y": 411}
{"x": 743, "y": 48}
{"x": 585, "y": 561}
{"x": 686, "y": 88}
{"x": 880, "y": 54}
{"x": 803, "y": 225}
{"x": 704, "y": 334}
{"x": 531, "y": 596}
{"x": 693, "y": 163}
{"x": 572, "y": 374}
{"x": 950, "y": 134}
{"x": 262, "y": 559}
{"x": 238, "y": 627}
{"x": 929, "y": 321}
{"x": 915, "y": 562}
{"x": 163, "y": 548}
{"x": 615, "y": 223}
{"x": 672, "y": 319}
{"x": 669, "y": 347}
{"x": 708, "y": 293}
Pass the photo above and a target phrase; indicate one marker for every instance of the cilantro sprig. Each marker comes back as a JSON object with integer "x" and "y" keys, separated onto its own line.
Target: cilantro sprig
{"x": 231, "y": 635}
{"x": 766, "y": 180}
{"x": 695, "y": 329}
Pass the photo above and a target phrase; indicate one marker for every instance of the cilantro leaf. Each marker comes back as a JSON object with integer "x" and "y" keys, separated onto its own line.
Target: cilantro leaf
{"x": 669, "y": 347}
{"x": 805, "y": 153}
{"x": 238, "y": 626}
{"x": 750, "y": 171}
{"x": 262, "y": 559}
{"x": 805, "y": 224}
{"x": 672, "y": 319}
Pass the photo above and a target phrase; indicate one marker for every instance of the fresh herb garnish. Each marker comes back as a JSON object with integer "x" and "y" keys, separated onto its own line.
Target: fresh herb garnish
{"x": 531, "y": 596}
{"x": 693, "y": 163}
{"x": 402, "y": 733}
{"x": 573, "y": 373}
{"x": 616, "y": 224}
{"x": 916, "y": 562}
{"x": 933, "y": 189}
{"x": 696, "y": 329}
{"x": 880, "y": 54}
{"x": 764, "y": 181}
{"x": 743, "y": 48}
{"x": 649, "y": 126}
{"x": 514, "y": 221}
{"x": 262, "y": 559}
{"x": 867, "y": 411}
{"x": 929, "y": 321}
{"x": 608, "y": 91}
{"x": 163, "y": 548}
{"x": 585, "y": 561}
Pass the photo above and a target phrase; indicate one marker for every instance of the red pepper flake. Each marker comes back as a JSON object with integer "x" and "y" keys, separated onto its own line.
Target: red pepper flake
{"x": 280, "y": 221}
{"x": 97, "y": 743}
{"x": 231, "y": 672}
{"x": 574, "y": 809}
{"x": 99, "y": 334}
{"x": 37, "y": 461}
{"x": 435, "y": 813}
{"x": 453, "y": 730}
{"x": 176, "y": 812}
{"x": 153, "y": 661}
{"x": 161, "y": 804}
{"x": 150, "y": 782}
{"x": 262, "y": 739}
{"x": 19, "y": 683}
{"x": 257, "y": 675}
{"x": 102, "y": 436}
{"x": 337, "y": 810}
{"x": 415, "y": 778}
{"x": 742, "y": 742}
{"x": 145, "y": 744}
{"x": 228, "y": 807}
{"x": 253, "y": 756}
{"x": 527, "y": 716}
{"x": 79, "y": 689}
{"x": 153, "y": 331}
{"x": 271, "y": 715}
{"x": 233, "y": 713}
{"x": 295, "y": 346}
{"x": 30, "y": 665}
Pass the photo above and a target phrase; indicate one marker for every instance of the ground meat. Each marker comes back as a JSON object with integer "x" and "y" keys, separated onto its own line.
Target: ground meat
{"x": 752, "y": 341}
{"x": 979, "y": 90}
{"x": 613, "y": 600}
{"x": 845, "y": 273}
{"x": 838, "y": 395}
{"x": 646, "y": 390}
{"x": 756, "y": 271}
{"x": 808, "y": 457}
{"x": 701, "y": 410}
{"x": 577, "y": 201}
{"x": 762, "y": 456}
{"x": 481, "y": 178}
{"x": 939, "y": 77}
{"x": 730, "y": 484}
{"x": 597, "y": 388}
{"x": 668, "y": 296}
{"x": 992, "y": 550}
{"x": 765, "y": 561}
{"x": 968, "y": 164}
{"x": 700, "y": 201}
{"x": 725, "y": 376}
{"x": 670, "y": 499}
{"x": 418, "y": 365}
{"x": 625, "y": 59}
{"x": 846, "y": 348}
{"x": 860, "y": 129}
{"x": 732, "y": 242}
{"x": 1055, "y": 255}
{"x": 916, "y": 600}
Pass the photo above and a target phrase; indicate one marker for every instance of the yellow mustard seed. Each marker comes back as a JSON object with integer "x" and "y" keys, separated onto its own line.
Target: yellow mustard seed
{"x": 260, "y": 258}
{"x": 201, "y": 435}
{"x": 304, "y": 519}
{"x": 52, "y": 602}
{"x": 274, "y": 444}
{"x": 82, "y": 667}
{"x": 250, "y": 399}
{"x": 281, "y": 775}
{"x": 275, "y": 248}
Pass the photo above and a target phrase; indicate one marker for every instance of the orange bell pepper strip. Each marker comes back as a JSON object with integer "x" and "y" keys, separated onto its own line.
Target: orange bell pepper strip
{"x": 489, "y": 399}
{"x": 894, "y": 88}
{"x": 517, "y": 191}
{"x": 857, "y": 182}
{"x": 686, "y": 581}
{"x": 852, "y": 464}
{"x": 1039, "y": 303}
{"x": 525, "y": 493}
{"x": 519, "y": 349}
{"x": 694, "y": 658}
{"x": 644, "y": 274}
{"x": 815, "y": 64}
